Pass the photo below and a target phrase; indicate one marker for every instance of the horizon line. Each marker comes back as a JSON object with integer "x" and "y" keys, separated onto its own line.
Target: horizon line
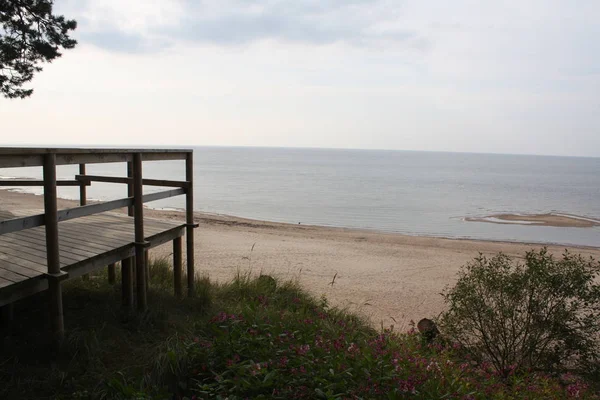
{"x": 287, "y": 148}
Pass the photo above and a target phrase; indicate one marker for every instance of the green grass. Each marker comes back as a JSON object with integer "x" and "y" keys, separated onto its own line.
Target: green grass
{"x": 253, "y": 337}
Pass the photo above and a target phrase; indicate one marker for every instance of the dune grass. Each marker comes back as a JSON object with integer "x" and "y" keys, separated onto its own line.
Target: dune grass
{"x": 253, "y": 337}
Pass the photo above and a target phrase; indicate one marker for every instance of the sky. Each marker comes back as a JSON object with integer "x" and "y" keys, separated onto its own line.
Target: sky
{"x": 509, "y": 76}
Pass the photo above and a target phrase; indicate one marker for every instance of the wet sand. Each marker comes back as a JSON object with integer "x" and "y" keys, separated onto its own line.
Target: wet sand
{"x": 550, "y": 219}
{"x": 389, "y": 278}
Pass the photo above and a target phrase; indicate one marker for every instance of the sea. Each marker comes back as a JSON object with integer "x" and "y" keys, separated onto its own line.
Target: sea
{"x": 409, "y": 192}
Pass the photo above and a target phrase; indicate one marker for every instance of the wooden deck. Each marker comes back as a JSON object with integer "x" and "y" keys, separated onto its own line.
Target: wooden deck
{"x": 85, "y": 244}
{"x": 40, "y": 250}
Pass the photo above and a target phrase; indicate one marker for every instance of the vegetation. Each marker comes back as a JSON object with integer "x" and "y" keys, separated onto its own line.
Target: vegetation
{"x": 30, "y": 34}
{"x": 250, "y": 338}
{"x": 542, "y": 314}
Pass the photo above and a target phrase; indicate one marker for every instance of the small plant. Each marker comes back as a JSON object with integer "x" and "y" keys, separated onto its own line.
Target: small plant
{"x": 543, "y": 314}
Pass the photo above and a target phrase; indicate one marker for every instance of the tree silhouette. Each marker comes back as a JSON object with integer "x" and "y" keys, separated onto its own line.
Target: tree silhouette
{"x": 29, "y": 35}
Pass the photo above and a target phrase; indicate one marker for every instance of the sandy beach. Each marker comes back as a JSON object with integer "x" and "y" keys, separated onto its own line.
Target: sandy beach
{"x": 389, "y": 278}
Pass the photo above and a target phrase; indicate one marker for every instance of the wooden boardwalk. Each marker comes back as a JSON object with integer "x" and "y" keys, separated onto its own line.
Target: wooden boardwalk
{"x": 40, "y": 250}
{"x": 85, "y": 244}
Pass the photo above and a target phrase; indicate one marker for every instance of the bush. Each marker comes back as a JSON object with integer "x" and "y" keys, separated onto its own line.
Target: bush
{"x": 543, "y": 314}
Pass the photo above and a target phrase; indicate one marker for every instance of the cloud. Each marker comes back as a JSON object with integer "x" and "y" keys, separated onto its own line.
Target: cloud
{"x": 135, "y": 25}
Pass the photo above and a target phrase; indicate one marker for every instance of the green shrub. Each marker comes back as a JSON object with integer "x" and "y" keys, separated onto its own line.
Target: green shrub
{"x": 540, "y": 314}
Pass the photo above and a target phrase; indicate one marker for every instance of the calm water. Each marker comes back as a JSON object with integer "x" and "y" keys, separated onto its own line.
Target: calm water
{"x": 417, "y": 193}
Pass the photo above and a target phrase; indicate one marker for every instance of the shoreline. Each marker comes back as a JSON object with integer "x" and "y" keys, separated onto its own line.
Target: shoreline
{"x": 226, "y": 219}
{"x": 390, "y": 278}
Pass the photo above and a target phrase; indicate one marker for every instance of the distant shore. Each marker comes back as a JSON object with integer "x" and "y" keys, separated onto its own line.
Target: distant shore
{"x": 390, "y": 278}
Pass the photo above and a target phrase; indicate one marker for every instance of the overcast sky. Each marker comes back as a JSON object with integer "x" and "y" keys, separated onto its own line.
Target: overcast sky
{"x": 479, "y": 76}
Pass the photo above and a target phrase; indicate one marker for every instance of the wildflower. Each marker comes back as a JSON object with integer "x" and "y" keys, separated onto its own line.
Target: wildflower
{"x": 353, "y": 348}
{"x": 303, "y": 349}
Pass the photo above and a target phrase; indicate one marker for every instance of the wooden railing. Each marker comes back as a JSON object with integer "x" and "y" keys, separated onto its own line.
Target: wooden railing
{"x": 48, "y": 159}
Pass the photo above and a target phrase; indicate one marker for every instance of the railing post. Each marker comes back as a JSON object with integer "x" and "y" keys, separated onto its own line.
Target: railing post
{"x": 82, "y": 187}
{"x": 112, "y": 273}
{"x": 130, "y": 186}
{"x": 177, "y": 266}
{"x": 52, "y": 248}
{"x": 189, "y": 219}
{"x": 83, "y": 200}
{"x": 140, "y": 244}
{"x": 147, "y": 263}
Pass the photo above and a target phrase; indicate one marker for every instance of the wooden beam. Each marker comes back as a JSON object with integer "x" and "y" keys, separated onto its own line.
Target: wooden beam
{"x": 33, "y": 182}
{"x": 177, "y": 266}
{"x": 11, "y": 157}
{"x": 111, "y": 273}
{"x": 90, "y": 209}
{"x": 52, "y": 247}
{"x": 19, "y": 224}
{"x": 83, "y": 198}
{"x": 130, "y": 187}
{"x": 189, "y": 219}
{"x": 82, "y": 188}
{"x": 118, "y": 179}
{"x": 164, "y": 194}
{"x": 140, "y": 248}
{"x": 127, "y": 283}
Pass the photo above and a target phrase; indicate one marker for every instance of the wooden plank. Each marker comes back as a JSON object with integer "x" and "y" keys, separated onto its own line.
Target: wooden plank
{"x": 32, "y": 182}
{"x": 100, "y": 261}
{"x": 163, "y": 195}
{"x": 35, "y": 249}
{"x": 78, "y": 212}
{"x": 5, "y": 282}
{"x": 36, "y": 259}
{"x": 28, "y": 157}
{"x": 12, "y": 161}
{"x": 87, "y": 158}
{"x": 11, "y": 276}
{"x": 120, "y": 225}
{"x": 127, "y": 180}
{"x": 165, "y": 236}
{"x": 108, "y": 232}
{"x": 71, "y": 248}
{"x": 24, "y": 151}
{"x": 19, "y": 224}
{"x": 21, "y": 290}
{"x": 77, "y": 241}
{"x": 21, "y": 267}
{"x": 90, "y": 233}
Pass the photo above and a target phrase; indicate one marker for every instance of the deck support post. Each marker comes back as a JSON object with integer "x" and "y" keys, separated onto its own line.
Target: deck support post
{"x": 82, "y": 187}
{"x": 189, "y": 219}
{"x": 83, "y": 201}
{"x": 147, "y": 262}
{"x": 111, "y": 273}
{"x": 130, "y": 186}
{"x": 52, "y": 248}
{"x": 177, "y": 266}
{"x": 140, "y": 244}
{"x": 7, "y": 313}
{"x": 127, "y": 282}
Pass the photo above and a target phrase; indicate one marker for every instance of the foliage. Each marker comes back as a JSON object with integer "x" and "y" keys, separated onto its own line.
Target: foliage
{"x": 29, "y": 35}
{"x": 253, "y": 337}
{"x": 540, "y": 314}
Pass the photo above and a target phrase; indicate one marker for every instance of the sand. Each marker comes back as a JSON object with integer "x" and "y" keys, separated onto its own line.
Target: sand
{"x": 389, "y": 278}
{"x": 559, "y": 220}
